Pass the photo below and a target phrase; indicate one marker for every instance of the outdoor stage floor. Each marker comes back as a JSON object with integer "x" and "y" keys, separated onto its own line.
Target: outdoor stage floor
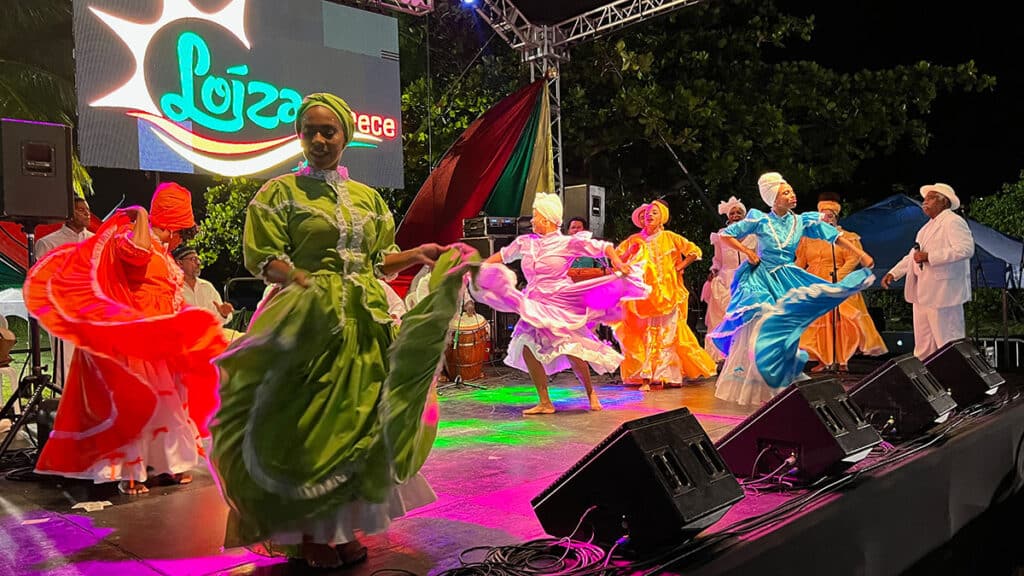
{"x": 486, "y": 465}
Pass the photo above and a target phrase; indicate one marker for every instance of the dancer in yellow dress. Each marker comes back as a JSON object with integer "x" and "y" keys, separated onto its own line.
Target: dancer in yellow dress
{"x": 854, "y": 327}
{"x": 658, "y": 345}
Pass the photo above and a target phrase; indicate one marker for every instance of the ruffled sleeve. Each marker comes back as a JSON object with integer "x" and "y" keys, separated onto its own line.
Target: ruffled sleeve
{"x": 266, "y": 235}
{"x": 130, "y": 253}
{"x": 815, "y": 227}
{"x": 745, "y": 227}
{"x": 584, "y": 244}
{"x": 514, "y": 251}
{"x": 384, "y": 242}
{"x": 685, "y": 248}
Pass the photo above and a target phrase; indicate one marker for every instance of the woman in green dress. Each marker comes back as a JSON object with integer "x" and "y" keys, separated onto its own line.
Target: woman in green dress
{"x": 321, "y": 433}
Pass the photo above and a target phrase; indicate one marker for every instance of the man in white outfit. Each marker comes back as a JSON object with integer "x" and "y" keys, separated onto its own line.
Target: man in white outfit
{"x": 73, "y": 231}
{"x": 197, "y": 291}
{"x": 938, "y": 272}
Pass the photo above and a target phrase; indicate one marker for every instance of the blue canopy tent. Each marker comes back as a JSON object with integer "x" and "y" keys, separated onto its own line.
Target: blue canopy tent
{"x": 888, "y": 229}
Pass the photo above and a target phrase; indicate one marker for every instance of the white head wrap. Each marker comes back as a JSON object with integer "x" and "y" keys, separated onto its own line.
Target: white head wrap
{"x": 768, "y": 184}
{"x": 726, "y": 206}
{"x": 549, "y": 206}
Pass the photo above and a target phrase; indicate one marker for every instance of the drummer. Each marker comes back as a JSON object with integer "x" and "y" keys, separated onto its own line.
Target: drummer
{"x": 579, "y": 224}
{"x": 469, "y": 320}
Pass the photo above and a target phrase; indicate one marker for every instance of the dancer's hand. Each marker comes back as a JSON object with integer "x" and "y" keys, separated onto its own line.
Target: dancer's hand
{"x": 429, "y": 253}
{"x": 866, "y": 260}
{"x": 133, "y": 212}
{"x": 753, "y": 257}
{"x": 888, "y": 279}
{"x": 621, "y": 268}
{"x": 466, "y": 252}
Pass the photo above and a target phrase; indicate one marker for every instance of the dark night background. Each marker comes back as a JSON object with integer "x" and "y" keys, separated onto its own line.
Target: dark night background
{"x": 974, "y": 146}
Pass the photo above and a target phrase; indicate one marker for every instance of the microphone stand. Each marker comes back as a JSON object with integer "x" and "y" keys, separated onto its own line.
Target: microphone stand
{"x": 456, "y": 375}
{"x": 834, "y": 317}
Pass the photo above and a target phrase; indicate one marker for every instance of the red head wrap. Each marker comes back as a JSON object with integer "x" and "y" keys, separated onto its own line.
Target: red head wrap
{"x": 171, "y": 208}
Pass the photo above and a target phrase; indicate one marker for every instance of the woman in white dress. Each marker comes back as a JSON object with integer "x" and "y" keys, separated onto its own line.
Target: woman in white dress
{"x": 717, "y": 290}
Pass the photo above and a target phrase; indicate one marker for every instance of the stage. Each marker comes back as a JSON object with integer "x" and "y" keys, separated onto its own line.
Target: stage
{"x": 489, "y": 462}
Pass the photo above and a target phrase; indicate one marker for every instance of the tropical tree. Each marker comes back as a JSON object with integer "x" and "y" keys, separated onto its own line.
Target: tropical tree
{"x": 713, "y": 84}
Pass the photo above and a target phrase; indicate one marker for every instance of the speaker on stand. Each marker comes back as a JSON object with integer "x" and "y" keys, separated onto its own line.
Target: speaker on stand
{"x": 35, "y": 187}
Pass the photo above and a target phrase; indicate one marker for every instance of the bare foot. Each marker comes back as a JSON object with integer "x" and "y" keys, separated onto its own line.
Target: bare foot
{"x": 540, "y": 409}
{"x": 819, "y": 368}
{"x": 645, "y": 388}
{"x": 182, "y": 479}
{"x": 131, "y": 488}
{"x": 595, "y": 404}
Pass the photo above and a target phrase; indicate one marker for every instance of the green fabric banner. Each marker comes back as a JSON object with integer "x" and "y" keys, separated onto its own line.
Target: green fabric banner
{"x": 507, "y": 197}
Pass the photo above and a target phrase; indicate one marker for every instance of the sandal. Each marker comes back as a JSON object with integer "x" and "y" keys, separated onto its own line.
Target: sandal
{"x": 132, "y": 488}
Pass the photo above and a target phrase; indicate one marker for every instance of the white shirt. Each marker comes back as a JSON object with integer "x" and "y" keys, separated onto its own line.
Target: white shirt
{"x": 204, "y": 295}
{"x": 59, "y": 237}
{"x": 945, "y": 280}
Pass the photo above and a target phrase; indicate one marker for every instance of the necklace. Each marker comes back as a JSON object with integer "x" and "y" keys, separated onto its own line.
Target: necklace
{"x": 792, "y": 230}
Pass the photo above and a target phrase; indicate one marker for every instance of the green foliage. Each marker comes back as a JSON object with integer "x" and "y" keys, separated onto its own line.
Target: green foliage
{"x": 1003, "y": 211}
{"x": 37, "y": 72}
{"x": 712, "y": 82}
{"x": 219, "y": 242}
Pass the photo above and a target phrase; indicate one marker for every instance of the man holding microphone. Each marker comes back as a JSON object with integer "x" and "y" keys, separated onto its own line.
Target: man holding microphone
{"x": 938, "y": 272}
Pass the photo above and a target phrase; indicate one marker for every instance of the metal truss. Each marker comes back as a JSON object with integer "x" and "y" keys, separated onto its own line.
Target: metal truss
{"x": 613, "y": 16}
{"x": 544, "y": 48}
{"x": 414, "y": 7}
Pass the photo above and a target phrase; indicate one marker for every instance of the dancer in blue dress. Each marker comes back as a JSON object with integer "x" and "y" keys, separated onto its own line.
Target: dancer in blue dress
{"x": 773, "y": 301}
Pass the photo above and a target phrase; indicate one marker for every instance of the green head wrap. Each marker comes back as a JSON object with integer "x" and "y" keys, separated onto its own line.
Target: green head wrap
{"x": 334, "y": 104}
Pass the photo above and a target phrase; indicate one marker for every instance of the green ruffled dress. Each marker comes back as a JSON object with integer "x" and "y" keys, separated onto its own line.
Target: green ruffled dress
{"x": 321, "y": 431}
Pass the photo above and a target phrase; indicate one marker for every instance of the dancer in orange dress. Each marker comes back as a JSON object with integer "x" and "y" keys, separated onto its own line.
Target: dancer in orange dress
{"x": 854, "y": 327}
{"x": 141, "y": 385}
{"x": 659, "y": 347}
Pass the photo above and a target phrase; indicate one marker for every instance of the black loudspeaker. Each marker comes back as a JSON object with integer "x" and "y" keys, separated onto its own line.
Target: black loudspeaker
{"x": 656, "y": 479}
{"x": 964, "y": 371}
{"x": 35, "y": 171}
{"x": 813, "y": 421}
{"x": 45, "y": 418}
{"x": 902, "y": 397}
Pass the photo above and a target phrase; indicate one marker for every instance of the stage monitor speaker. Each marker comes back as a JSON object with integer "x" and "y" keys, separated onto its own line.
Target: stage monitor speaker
{"x": 964, "y": 371}
{"x": 902, "y": 397}
{"x": 35, "y": 171}
{"x": 657, "y": 479}
{"x": 813, "y": 421}
{"x": 587, "y": 201}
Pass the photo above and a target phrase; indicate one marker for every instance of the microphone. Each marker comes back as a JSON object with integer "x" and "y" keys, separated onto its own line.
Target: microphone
{"x": 917, "y": 247}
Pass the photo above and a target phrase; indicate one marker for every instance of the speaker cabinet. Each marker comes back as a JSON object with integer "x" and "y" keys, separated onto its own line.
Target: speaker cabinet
{"x": 657, "y": 479}
{"x": 902, "y": 397}
{"x": 964, "y": 371}
{"x": 35, "y": 171}
{"x": 814, "y": 421}
{"x": 586, "y": 201}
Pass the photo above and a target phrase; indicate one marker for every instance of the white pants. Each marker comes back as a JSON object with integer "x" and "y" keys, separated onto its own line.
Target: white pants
{"x": 934, "y": 327}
